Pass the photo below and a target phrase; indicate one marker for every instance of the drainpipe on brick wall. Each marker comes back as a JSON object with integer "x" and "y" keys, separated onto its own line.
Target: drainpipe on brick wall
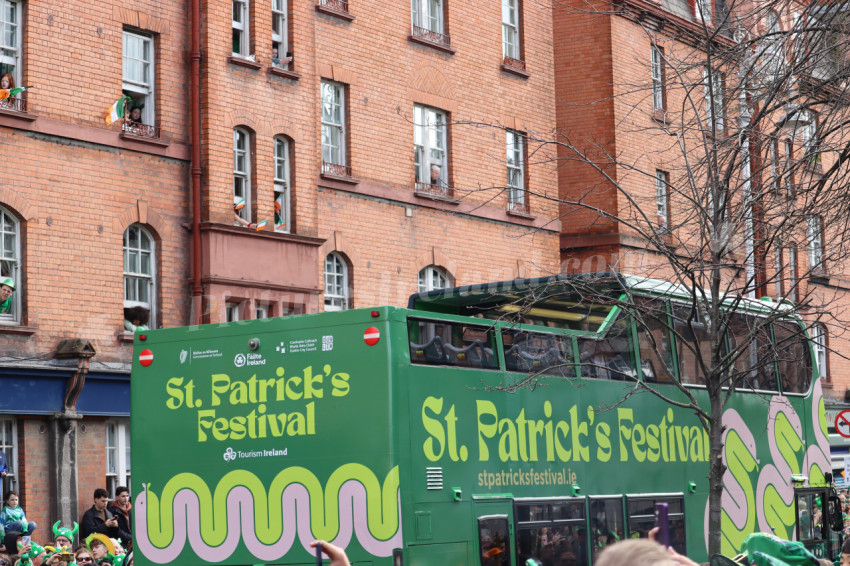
{"x": 195, "y": 104}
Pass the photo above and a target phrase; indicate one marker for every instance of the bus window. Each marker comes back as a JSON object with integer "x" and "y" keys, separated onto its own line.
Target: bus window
{"x": 534, "y": 352}
{"x": 641, "y": 515}
{"x": 610, "y": 357}
{"x": 551, "y": 533}
{"x": 493, "y": 541}
{"x": 656, "y": 355}
{"x": 792, "y": 353}
{"x": 693, "y": 344}
{"x": 606, "y": 523}
{"x": 812, "y": 528}
{"x": 448, "y": 343}
{"x": 755, "y": 363}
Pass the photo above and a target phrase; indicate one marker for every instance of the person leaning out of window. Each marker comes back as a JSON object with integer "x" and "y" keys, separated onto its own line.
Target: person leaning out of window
{"x": 7, "y": 289}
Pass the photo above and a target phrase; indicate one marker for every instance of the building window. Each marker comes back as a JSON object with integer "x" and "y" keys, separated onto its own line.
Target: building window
{"x": 429, "y": 140}
{"x": 280, "y": 33}
{"x": 242, "y": 176}
{"x": 231, "y": 312}
{"x": 10, "y": 39}
{"x": 510, "y": 30}
{"x": 432, "y": 278}
{"x": 428, "y": 21}
{"x": 809, "y": 138}
{"x": 333, "y": 129}
{"x": 658, "y": 97}
{"x": 814, "y": 225}
{"x": 241, "y": 47}
{"x": 118, "y": 455}
{"x": 773, "y": 165}
{"x": 662, "y": 199}
{"x": 138, "y": 76}
{"x": 261, "y": 311}
{"x": 282, "y": 214}
{"x": 819, "y": 346}
{"x": 10, "y": 266}
{"x": 779, "y": 267}
{"x": 703, "y": 11}
{"x": 139, "y": 277}
{"x": 792, "y": 274}
{"x": 787, "y": 166}
{"x": 336, "y": 283}
{"x": 713, "y": 99}
{"x": 516, "y": 172}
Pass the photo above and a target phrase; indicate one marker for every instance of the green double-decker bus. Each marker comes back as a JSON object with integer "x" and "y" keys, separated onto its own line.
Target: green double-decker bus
{"x": 495, "y": 424}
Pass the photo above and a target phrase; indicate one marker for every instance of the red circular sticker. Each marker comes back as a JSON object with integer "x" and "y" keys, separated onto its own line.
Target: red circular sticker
{"x": 371, "y": 336}
{"x": 146, "y": 357}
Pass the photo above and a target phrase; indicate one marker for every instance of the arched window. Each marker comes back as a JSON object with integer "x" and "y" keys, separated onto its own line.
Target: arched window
{"x": 336, "y": 283}
{"x": 282, "y": 211}
{"x": 10, "y": 261}
{"x": 242, "y": 175}
{"x": 139, "y": 278}
{"x": 431, "y": 278}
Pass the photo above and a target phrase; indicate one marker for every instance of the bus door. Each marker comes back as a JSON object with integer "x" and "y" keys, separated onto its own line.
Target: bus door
{"x": 551, "y": 531}
{"x": 494, "y": 531}
{"x": 813, "y": 523}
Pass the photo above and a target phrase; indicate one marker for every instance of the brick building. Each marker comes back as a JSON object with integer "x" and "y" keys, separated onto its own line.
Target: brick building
{"x": 384, "y": 157}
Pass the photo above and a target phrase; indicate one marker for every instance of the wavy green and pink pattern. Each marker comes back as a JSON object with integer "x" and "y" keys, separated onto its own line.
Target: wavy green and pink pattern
{"x": 353, "y": 503}
{"x": 767, "y": 505}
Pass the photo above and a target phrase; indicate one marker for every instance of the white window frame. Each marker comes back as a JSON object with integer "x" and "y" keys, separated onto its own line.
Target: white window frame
{"x": 814, "y": 232}
{"x": 432, "y": 278}
{"x": 714, "y": 94}
{"x": 662, "y": 198}
{"x": 792, "y": 274}
{"x": 232, "y": 311}
{"x": 333, "y": 123}
{"x": 280, "y": 21}
{"x": 430, "y": 139}
{"x": 283, "y": 218}
{"x": 787, "y": 157}
{"x": 10, "y": 262}
{"x": 240, "y": 19}
{"x": 10, "y": 52}
{"x": 773, "y": 164}
{"x": 134, "y": 275}
{"x": 809, "y": 133}
{"x": 337, "y": 295}
{"x": 657, "y": 71}
{"x": 117, "y": 454}
{"x": 515, "y": 162}
{"x": 510, "y": 29}
{"x": 242, "y": 172}
{"x": 704, "y": 11}
{"x": 261, "y": 311}
{"x": 428, "y": 15}
{"x": 820, "y": 350}
{"x": 140, "y": 88}
{"x": 779, "y": 268}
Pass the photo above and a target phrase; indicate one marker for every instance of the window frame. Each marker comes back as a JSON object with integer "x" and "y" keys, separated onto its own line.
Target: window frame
{"x": 515, "y": 165}
{"x": 512, "y": 47}
{"x": 11, "y": 266}
{"x": 232, "y": 311}
{"x": 815, "y": 242}
{"x": 662, "y": 198}
{"x": 332, "y": 124}
{"x": 704, "y": 11}
{"x": 420, "y": 10}
{"x": 151, "y": 277}
{"x": 820, "y": 345}
{"x": 787, "y": 166}
{"x": 121, "y": 475}
{"x": 337, "y": 279}
{"x": 659, "y": 94}
{"x": 714, "y": 112}
{"x": 242, "y": 28}
{"x": 421, "y": 132}
{"x": 13, "y": 60}
{"x": 793, "y": 278}
{"x": 779, "y": 268}
{"x": 427, "y": 276}
{"x": 143, "y": 91}
{"x": 282, "y": 185}
{"x": 242, "y": 177}
{"x": 280, "y": 15}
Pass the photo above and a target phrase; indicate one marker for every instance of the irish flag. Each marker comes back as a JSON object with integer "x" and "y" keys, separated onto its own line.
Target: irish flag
{"x": 6, "y": 93}
{"x": 115, "y": 111}
{"x": 261, "y": 225}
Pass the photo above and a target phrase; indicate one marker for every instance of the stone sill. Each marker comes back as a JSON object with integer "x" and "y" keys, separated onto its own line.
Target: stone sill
{"x": 285, "y": 73}
{"x": 26, "y": 116}
{"x": 346, "y": 16}
{"x": 159, "y": 142}
{"x": 125, "y": 337}
{"x": 244, "y": 62}
{"x": 440, "y": 198}
{"x": 340, "y": 178}
{"x": 433, "y": 44}
{"x": 521, "y": 214}
{"x": 17, "y": 329}
{"x": 515, "y": 71}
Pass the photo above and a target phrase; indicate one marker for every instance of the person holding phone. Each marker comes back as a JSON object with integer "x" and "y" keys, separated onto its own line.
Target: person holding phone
{"x": 335, "y": 553}
{"x": 99, "y": 519}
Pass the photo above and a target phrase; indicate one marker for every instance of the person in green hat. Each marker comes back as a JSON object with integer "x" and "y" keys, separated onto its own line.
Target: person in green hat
{"x": 7, "y": 289}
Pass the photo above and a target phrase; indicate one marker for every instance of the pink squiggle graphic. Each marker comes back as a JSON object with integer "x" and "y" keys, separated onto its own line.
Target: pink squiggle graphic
{"x": 240, "y": 503}
{"x": 734, "y": 498}
{"x": 817, "y": 454}
{"x": 778, "y": 473}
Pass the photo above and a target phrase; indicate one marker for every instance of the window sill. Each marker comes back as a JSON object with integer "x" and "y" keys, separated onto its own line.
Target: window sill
{"x": 437, "y": 195}
{"x": 159, "y": 142}
{"x": 660, "y": 116}
{"x": 341, "y": 178}
{"x": 341, "y": 14}
{"x": 17, "y": 329}
{"x": 433, "y": 44}
{"x": 244, "y": 62}
{"x": 285, "y": 73}
{"x": 521, "y": 214}
{"x": 516, "y": 70}
{"x": 125, "y": 337}
{"x": 19, "y": 114}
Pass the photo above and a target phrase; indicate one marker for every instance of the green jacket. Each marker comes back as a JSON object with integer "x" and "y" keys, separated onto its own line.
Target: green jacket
{"x": 6, "y": 305}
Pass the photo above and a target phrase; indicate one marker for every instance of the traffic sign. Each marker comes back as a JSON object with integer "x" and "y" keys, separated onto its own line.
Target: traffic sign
{"x": 842, "y": 423}
{"x": 146, "y": 358}
{"x": 372, "y": 335}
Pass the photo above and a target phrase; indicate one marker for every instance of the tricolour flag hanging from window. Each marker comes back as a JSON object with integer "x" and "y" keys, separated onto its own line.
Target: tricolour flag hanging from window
{"x": 262, "y": 225}
{"x": 116, "y": 111}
